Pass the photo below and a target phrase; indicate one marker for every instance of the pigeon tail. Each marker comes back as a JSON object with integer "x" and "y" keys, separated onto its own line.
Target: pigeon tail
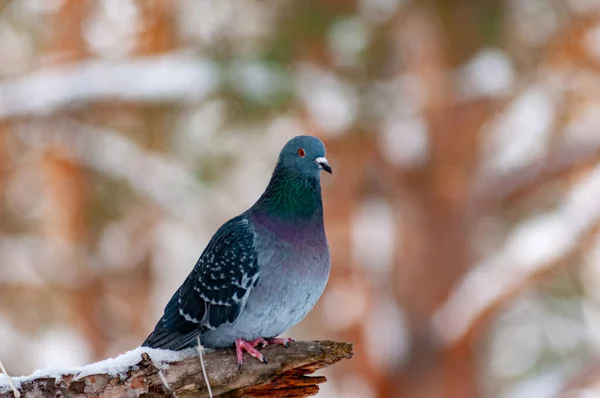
{"x": 171, "y": 339}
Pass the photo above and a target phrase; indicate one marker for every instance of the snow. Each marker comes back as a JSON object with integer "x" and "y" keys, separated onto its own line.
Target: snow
{"x": 544, "y": 385}
{"x": 21, "y": 254}
{"x": 592, "y": 41}
{"x": 520, "y": 136}
{"x": 332, "y": 103}
{"x": 379, "y": 11}
{"x": 240, "y": 23}
{"x": 163, "y": 179}
{"x": 60, "y": 347}
{"x": 404, "y": 141}
{"x": 257, "y": 79}
{"x": 177, "y": 246}
{"x": 518, "y": 343}
{"x": 374, "y": 235}
{"x": 118, "y": 17}
{"x": 475, "y": 76}
{"x": 535, "y": 245}
{"x": 347, "y": 39}
{"x": 113, "y": 366}
{"x": 387, "y": 339}
{"x": 168, "y": 77}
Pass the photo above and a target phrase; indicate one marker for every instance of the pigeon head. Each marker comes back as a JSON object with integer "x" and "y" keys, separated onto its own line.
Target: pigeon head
{"x": 304, "y": 154}
{"x": 294, "y": 191}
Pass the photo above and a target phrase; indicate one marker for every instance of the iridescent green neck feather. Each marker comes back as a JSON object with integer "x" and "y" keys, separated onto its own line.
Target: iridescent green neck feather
{"x": 291, "y": 196}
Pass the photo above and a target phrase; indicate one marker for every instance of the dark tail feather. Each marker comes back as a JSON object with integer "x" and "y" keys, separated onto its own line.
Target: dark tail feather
{"x": 171, "y": 339}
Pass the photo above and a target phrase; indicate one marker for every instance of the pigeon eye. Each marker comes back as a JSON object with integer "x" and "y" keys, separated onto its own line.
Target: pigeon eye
{"x": 301, "y": 152}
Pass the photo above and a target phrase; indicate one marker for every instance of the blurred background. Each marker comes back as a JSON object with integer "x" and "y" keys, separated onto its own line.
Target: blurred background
{"x": 462, "y": 215}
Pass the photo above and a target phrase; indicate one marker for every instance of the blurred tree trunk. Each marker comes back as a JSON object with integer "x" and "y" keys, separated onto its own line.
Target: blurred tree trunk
{"x": 157, "y": 35}
{"x": 65, "y": 223}
{"x": 436, "y": 253}
{"x": 90, "y": 306}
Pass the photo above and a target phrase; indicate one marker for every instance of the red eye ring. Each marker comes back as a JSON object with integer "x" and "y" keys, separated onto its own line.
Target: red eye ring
{"x": 301, "y": 152}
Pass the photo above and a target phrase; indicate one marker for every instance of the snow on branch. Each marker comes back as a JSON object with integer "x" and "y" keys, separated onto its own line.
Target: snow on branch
{"x": 159, "y": 373}
{"x": 168, "y": 77}
{"x": 564, "y": 160}
{"x": 535, "y": 246}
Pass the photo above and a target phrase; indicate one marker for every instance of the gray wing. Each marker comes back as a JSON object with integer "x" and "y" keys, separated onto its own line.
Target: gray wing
{"x": 216, "y": 290}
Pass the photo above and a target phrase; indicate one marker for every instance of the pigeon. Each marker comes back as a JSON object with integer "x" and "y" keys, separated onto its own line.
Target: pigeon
{"x": 262, "y": 271}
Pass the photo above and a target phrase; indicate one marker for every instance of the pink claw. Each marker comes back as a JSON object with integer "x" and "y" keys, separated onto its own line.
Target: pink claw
{"x": 248, "y": 346}
{"x": 242, "y": 345}
{"x": 285, "y": 341}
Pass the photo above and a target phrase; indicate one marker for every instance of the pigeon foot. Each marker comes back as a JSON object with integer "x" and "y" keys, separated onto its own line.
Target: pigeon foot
{"x": 242, "y": 345}
{"x": 285, "y": 341}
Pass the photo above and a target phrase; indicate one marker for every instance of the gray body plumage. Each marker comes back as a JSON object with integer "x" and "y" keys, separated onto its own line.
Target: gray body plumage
{"x": 263, "y": 271}
{"x": 294, "y": 268}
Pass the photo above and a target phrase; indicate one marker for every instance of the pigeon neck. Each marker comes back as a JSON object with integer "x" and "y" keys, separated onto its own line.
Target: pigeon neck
{"x": 292, "y": 196}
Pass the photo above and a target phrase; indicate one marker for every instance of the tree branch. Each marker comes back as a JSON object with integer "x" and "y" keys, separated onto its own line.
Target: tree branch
{"x": 162, "y": 78}
{"x": 532, "y": 248}
{"x": 563, "y": 161}
{"x": 284, "y": 376}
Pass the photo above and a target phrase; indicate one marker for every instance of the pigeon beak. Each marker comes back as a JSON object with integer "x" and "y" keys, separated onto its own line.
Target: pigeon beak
{"x": 324, "y": 164}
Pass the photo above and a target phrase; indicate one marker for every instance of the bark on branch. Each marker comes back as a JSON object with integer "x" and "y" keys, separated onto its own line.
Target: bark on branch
{"x": 284, "y": 376}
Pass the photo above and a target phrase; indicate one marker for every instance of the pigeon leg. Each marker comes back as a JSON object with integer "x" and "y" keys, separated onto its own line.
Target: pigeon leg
{"x": 248, "y": 346}
{"x": 263, "y": 343}
{"x": 284, "y": 341}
